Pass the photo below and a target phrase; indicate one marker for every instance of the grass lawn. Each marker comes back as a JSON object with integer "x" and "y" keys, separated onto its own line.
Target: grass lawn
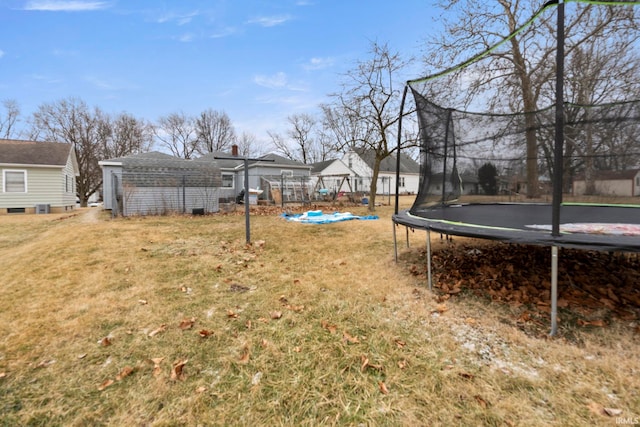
{"x": 161, "y": 321}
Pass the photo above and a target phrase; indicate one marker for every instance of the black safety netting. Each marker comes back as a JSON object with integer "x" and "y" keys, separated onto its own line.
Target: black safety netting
{"x": 479, "y": 157}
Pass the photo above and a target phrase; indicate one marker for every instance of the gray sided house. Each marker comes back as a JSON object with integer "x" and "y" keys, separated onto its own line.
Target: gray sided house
{"x": 277, "y": 178}
{"x": 37, "y": 177}
{"x": 158, "y": 184}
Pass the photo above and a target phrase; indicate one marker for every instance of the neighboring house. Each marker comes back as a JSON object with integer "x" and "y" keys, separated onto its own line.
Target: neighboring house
{"x": 37, "y": 177}
{"x": 362, "y": 161}
{"x": 332, "y": 177}
{"x": 467, "y": 184}
{"x": 156, "y": 183}
{"x": 610, "y": 183}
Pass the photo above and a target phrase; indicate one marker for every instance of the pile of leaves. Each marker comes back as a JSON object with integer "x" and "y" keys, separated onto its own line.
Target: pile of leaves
{"x": 593, "y": 287}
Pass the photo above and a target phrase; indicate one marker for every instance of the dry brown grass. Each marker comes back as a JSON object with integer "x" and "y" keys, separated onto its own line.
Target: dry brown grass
{"x": 310, "y": 325}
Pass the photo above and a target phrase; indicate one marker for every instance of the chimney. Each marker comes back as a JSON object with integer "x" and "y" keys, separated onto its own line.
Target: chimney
{"x": 234, "y": 150}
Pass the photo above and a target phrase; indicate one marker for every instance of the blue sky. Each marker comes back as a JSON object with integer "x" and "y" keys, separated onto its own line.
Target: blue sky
{"x": 259, "y": 61}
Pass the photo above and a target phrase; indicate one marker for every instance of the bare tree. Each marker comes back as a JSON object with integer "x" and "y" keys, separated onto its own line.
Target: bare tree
{"x": 370, "y": 98}
{"x": 72, "y": 121}
{"x": 177, "y": 133}
{"x": 9, "y": 119}
{"x": 247, "y": 145}
{"x": 127, "y": 135}
{"x": 281, "y": 145}
{"x": 214, "y": 131}
{"x": 519, "y": 74}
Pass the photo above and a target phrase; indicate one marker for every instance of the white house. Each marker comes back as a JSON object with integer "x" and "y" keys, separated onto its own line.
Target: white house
{"x": 611, "y": 183}
{"x": 37, "y": 177}
{"x": 361, "y": 162}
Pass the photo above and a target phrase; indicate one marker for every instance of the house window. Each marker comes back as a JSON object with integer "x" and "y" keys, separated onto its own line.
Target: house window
{"x": 66, "y": 183}
{"x": 227, "y": 180}
{"x": 15, "y": 181}
{"x": 402, "y": 181}
{"x": 638, "y": 181}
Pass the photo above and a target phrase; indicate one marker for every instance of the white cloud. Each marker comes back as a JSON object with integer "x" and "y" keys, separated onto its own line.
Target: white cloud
{"x": 319, "y": 63}
{"x": 187, "y": 37}
{"x": 224, "y": 32}
{"x": 270, "y": 21}
{"x": 1, "y": 53}
{"x": 276, "y": 81}
{"x": 178, "y": 19}
{"x": 65, "y": 5}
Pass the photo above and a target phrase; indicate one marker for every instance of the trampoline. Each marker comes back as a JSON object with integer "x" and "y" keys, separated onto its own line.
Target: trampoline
{"x": 583, "y": 226}
{"x": 471, "y": 163}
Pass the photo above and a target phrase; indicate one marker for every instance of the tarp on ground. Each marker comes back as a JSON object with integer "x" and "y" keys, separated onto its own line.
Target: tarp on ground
{"x": 318, "y": 217}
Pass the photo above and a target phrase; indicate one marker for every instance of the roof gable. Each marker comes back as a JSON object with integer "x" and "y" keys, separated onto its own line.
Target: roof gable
{"x": 34, "y": 153}
{"x": 388, "y": 164}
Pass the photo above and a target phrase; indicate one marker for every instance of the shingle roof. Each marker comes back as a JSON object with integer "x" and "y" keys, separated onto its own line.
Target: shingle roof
{"x": 320, "y": 166}
{"x": 34, "y": 153}
{"x": 388, "y": 164}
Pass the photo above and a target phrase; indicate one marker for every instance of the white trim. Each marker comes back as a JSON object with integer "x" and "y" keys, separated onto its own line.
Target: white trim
{"x": 4, "y": 181}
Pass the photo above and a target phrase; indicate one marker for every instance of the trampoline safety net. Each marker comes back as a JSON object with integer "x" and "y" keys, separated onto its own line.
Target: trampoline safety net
{"x": 488, "y": 158}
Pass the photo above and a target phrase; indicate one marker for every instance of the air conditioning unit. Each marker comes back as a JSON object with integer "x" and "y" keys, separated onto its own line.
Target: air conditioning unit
{"x": 43, "y": 209}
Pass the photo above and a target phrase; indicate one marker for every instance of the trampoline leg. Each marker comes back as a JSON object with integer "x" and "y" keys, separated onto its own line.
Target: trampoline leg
{"x": 407, "y": 230}
{"x": 395, "y": 244}
{"x": 554, "y": 290}
{"x": 429, "y": 281}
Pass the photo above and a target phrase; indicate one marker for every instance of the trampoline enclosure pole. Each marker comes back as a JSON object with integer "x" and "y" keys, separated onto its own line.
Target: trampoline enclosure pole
{"x": 429, "y": 259}
{"x": 554, "y": 290}
{"x": 395, "y": 242}
{"x": 559, "y": 128}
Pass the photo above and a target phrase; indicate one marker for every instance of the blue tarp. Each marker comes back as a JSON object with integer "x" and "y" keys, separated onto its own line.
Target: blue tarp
{"x": 317, "y": 217}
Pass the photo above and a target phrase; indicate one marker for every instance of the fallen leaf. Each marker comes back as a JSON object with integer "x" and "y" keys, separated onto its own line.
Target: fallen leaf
{"x": 187, "y": 323}
{"x": 105, "y": 342}
{"x": 125, "y": 372}
{"x": 441, "y": 308}
{"x": 383, "y": 388}
{"x": 481, "y": 401}
{"x": 244, "y": 355}
{"x": 276, "y": 314}
{"x": 177, "y": 372}
{"x": 204, "y": 333}
{"x": 82, "y": 356}
{"x": 296, "y": 281}
{"x": 466, "y": 375}
{"x": 400, "y": 343}
{"x": 297, "y": 349}
{"x": 156, "y": 366}
{"x": 232, "y": 314}
{"x": 201, "y": 389}
{"x": 142, "y": 302}
{"x": 328, "y": 326}
{"x": 283, "y": 299}
{"x": 247, "y": 324}
{"x": 46, "y": 363}
{"x": 3, "y": 374}
{"x": 156, "y": 331}
{"x": 105, "y": 384}
{"x": 349, "y": 338}
{"x": 402, "y": 364}
{"x": 264, "y": 343}
{"x": 296, "y": 308}
{"x": 365, "y": 363}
